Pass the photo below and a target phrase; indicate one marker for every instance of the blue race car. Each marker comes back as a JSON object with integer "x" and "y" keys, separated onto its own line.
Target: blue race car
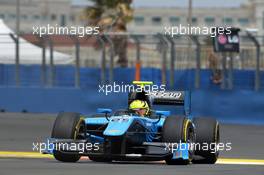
{"x": 123, "y": 135}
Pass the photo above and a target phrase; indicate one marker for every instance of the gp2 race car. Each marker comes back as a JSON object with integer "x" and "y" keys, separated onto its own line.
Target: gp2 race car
{"x": 125, "y": 136}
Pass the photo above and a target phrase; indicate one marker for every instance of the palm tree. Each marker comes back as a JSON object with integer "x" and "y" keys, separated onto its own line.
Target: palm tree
{"x": 112, "y": 16}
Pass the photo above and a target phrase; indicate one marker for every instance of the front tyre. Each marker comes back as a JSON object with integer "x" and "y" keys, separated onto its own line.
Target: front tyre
{"x": 178, "y": 130}
{"x": 207, "y": 132}
{"x": 67, "y": 126}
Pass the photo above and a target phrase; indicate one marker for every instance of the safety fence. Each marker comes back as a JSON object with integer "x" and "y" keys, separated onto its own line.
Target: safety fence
{"x": 107, "y": 53}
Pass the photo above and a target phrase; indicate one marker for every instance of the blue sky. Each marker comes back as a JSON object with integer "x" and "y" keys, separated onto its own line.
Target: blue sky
{"x": 179, "y": 3}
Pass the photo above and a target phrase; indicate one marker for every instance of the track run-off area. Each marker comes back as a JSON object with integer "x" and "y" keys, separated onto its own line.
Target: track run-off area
{"x": 18, "y": 131}
{"x": 21, "y": 155}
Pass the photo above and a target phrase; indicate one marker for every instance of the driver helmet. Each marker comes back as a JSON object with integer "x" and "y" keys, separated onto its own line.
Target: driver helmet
{"x": 140, "y": 106}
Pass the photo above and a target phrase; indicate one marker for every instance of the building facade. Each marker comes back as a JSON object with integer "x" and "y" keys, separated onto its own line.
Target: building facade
{"x": 39, "y": 12}
{"x": 146, "y": 19}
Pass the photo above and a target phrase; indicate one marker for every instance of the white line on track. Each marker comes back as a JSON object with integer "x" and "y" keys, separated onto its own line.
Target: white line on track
{"x": 232, "y": 161}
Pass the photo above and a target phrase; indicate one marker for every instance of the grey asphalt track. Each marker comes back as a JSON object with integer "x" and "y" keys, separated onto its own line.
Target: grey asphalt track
{"x": 18, "y": 131}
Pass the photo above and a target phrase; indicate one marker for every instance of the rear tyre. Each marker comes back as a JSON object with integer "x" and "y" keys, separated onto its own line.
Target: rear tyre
{"x": 178, "y": 130}
{"x": 207, "y": 133}
{"x": 67, "y": 126}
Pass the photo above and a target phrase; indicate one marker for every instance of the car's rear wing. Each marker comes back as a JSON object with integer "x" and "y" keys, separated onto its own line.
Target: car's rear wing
{"x": 181, "y": 98}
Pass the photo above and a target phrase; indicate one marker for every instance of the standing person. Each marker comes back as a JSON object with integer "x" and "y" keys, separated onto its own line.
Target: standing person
{"x": 215, "y": 66}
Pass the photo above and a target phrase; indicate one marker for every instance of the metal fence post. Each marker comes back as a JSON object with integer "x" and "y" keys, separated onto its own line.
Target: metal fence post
{"x": 17, "y": 73}
{"x": 43, "y": 63}
{"x": 52, "y": 70}
{"x": 172, "y": 60}
{"x": 198, "y": 61}
{"x": 223, "y": 72}
{"x": 77, "y": 61}
{"x": 230, "y": 72}
{"x": 103, "y": 59}
{"x": 257, "y": 72}
{"x": 77, "y": 64}
{"x": 138, "y": 60}
{"x": 111, "y": 70}
{"x": 257, "y": 77}
{"x": 17, "y": 42}
{"x": 164, "y": 58}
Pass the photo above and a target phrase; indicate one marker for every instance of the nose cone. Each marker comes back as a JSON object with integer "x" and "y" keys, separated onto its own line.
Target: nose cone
{"x": 118, "y": 126}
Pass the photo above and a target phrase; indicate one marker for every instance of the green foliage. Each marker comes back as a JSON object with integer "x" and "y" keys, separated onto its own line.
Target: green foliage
{"x": 105, "y": 13}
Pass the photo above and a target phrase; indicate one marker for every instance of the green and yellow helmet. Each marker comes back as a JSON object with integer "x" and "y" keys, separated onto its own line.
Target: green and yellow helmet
{"x": 139, "y": 104}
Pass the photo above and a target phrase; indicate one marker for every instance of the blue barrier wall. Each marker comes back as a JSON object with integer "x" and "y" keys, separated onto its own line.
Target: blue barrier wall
{"x": 241, "y": 106}
{"x": 64, "y": 77}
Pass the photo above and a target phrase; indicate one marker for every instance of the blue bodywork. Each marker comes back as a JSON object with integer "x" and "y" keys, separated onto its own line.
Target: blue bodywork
{"x": 118, "y": 125}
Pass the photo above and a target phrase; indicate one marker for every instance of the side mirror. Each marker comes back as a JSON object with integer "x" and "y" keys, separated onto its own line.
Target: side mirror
{"x": 162, "y": 113}
{"x": 104, "y": 111}
{"x": 165, "y": 113}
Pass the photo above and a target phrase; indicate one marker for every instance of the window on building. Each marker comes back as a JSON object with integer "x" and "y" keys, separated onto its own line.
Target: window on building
{"x": 209, "y": 20}
{"x": 12, "y": 16}
{"x": 156, "y": 20}
{"x": 174, "y": 20}
{"x": 24, "y": 17}
{"x": 53, "y": 17}
{"x": 63, "y": 20}
{"x": 194, "y": 20}
{"x": 2, "y": 16}
{"x": 243, "y": 21}
{"x": 227, "y": 20}
{"x": 44, "y": 17}
{"x": 72, "y": 18}
{"x": 139, "y": 20}
{"x": 36, "y": 17}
